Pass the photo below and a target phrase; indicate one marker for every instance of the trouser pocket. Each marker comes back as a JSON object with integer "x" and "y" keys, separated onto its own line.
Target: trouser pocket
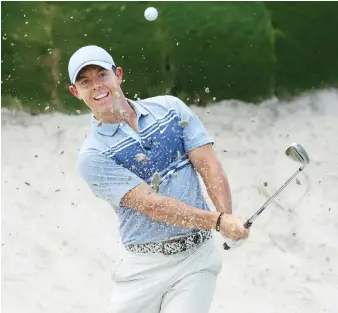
{"x": 115, "y": 268}
{"x": 126, "y": 270}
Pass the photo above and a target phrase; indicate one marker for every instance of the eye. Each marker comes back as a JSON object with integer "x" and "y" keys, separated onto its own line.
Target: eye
{"x": 84, "y": 82}
{"x": 102, "y": 74}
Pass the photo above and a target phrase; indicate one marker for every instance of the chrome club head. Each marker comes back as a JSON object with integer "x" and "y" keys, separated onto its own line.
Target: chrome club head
{"x": 297, "y": 153}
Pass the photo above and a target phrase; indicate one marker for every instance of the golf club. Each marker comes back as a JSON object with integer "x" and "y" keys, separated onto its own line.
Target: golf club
{"x": 295, "y": 152}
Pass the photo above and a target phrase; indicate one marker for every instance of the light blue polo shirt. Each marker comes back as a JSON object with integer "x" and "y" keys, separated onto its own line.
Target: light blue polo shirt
{"x": 108, "y": 163}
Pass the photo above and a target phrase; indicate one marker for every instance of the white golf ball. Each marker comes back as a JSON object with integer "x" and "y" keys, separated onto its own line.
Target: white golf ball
{"x": 151, "y": 14}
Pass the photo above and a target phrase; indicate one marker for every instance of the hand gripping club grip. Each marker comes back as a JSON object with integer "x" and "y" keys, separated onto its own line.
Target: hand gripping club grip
{"x": 230, "y": 243}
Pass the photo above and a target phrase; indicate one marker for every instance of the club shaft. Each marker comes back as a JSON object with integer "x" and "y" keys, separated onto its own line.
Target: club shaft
{"x": 249, "y": 222}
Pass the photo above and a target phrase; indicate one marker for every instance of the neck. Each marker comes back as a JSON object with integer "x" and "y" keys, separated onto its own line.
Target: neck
{"x": 122, "y": 111}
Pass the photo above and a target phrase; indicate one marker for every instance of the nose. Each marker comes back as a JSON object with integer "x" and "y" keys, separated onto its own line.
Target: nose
{"x": 96, "y": 84}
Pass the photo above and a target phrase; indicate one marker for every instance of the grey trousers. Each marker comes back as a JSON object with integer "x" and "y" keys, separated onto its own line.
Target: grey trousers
{"x": 156, "y": 283}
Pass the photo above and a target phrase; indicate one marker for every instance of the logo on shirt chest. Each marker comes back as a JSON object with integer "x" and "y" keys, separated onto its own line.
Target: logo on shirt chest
{"x": 160, "y": 149}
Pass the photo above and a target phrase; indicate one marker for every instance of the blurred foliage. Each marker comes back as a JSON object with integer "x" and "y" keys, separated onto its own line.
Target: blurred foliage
{"x": 25, "y": 53}
{"x": 306, "y": 44}
{"x": 227, "y": 47}
{"x": 242, "y": 50}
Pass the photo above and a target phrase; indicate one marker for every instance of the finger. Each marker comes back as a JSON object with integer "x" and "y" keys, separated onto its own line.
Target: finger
{"x": 233, "y": 236}
{"x": 238, "y": 234}
{"x": 228, "y": 235}
{"x": 242, "y": 232}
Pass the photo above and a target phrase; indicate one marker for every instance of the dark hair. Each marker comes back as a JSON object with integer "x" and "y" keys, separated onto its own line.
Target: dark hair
{"x": 113, "y": 68}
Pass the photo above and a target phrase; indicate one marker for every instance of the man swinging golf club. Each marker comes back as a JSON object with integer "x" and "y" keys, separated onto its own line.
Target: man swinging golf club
{"x": 143, "y": 158}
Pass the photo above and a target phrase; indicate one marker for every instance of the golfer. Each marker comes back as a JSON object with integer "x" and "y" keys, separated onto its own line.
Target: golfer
{"x": 143, "y": 158}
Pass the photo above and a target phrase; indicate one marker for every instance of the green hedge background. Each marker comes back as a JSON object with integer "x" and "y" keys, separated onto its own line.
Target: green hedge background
{"x": 238, "y": 50}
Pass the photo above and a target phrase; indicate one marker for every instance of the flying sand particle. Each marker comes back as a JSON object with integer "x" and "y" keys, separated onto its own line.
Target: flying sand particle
{"x": 124, "y": 114}
{"x": 183, "y": 123}
{"x": 155, "y": 182}
{"x": 141, "y": 157}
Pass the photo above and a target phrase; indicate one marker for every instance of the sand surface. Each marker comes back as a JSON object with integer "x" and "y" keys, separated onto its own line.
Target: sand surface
{"x": 59, "y": 242}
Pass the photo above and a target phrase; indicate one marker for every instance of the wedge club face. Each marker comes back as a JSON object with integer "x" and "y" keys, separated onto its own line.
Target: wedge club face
{"x": 297, "y": 153}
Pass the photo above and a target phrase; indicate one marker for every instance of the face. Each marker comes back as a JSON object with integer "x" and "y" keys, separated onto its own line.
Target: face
{"x": 98, "y": 88}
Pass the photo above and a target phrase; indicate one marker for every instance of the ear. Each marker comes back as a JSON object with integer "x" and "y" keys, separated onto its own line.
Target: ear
{"x": 119, "y": 75}
{"x": 74, "y": 91}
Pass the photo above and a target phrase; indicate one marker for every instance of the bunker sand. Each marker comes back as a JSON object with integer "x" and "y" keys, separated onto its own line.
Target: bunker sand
{"x": 59, "y": 242}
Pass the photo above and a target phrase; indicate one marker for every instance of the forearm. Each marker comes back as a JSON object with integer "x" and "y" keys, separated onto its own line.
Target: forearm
{"x": 168, "y": 210}
{"x": 218, "y": 188}
{"x": 178, "y": 213}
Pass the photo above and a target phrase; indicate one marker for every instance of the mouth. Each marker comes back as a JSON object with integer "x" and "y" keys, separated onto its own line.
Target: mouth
{"x": 101, "y": 97}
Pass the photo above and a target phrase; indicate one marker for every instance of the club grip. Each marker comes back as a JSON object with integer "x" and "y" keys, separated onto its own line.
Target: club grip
{"x": 247, "y": 224}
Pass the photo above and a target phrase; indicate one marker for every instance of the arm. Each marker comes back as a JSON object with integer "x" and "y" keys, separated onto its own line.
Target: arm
{"x": 214, "y": 178}
{"x": 168, "y": 210}
{"x": 198, "y": 146}
{"x": 119, "y": 186}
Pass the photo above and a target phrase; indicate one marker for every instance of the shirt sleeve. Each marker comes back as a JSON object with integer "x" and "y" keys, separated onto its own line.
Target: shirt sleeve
{"x": 194, "y": 133}
{"x": 107, "y": 180}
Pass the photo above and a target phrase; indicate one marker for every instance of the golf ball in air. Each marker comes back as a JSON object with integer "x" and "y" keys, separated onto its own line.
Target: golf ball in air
{"x": 151, "y": 14}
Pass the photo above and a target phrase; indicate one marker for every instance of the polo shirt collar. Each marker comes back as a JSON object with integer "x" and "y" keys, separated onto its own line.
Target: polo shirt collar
{"x": 106, "y": 129}
{"x": 109, "y": 129}
{"x": 138, "y": 107}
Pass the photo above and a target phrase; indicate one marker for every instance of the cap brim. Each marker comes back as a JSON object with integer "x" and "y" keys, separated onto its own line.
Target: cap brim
{"x": 107, "y": 66}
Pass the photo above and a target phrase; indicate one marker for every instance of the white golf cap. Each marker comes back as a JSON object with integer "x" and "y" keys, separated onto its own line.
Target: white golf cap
{"x": 88, "y": 55}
